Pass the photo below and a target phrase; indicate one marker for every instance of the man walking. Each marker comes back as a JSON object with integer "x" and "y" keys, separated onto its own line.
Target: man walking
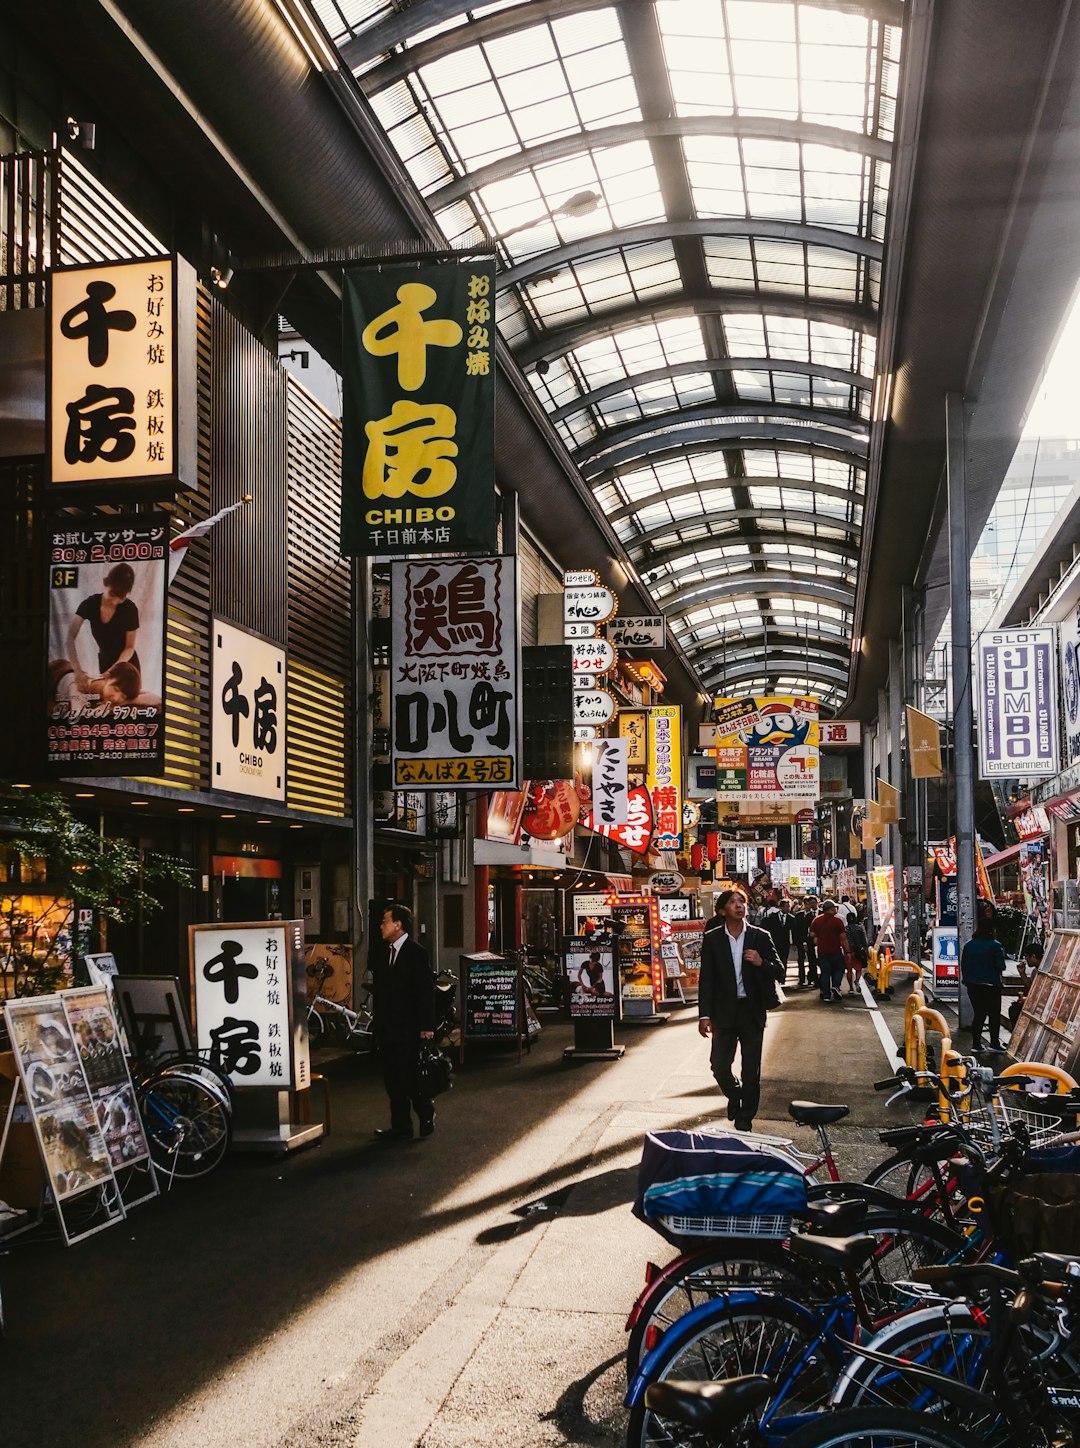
{"x": 830, "y": 941}
{"x": 403, "y": 1016}
{"x": 777, "y": 921}
{"x": 804, "y": 946}
{"x": 739, "y": 974}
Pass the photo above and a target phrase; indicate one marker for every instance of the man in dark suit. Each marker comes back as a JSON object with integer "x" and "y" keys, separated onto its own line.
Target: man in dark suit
{"x": 403, "y": 1011}
{"x": 739, "y": 974}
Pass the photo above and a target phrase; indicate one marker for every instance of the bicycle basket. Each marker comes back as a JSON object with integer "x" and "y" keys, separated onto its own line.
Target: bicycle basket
{"x": 434, "y": 1072}
{"x": 1037, "y": 1213}
{"x": 690, "y": 1186}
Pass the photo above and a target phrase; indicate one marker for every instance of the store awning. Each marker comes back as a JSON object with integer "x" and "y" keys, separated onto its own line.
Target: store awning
{"x": 1002, "y": 856}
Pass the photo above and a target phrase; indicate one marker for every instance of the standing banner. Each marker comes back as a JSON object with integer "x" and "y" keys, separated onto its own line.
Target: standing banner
{"x": 1069, "y": 660}
{"x": 250, "y": 989}
{"x": 880, "y": 883}
{"x": 641, "y": 980}
{"x": 1033, "y": 867}
{"x": 590, "y": 975}
{"x": 1017, "y": 715}
{"x": 247, "y": 712}
{"x": 121, "y": 361}
{"x": 663, "y": 775}
{"x": 610, "y": 781}
{"x": 97, "y": 1038}
{"x": 418, "y": 425}
{"x": 766, "y": 749}
{"x": 455, "y": 676}
{"x": 924, "y": 745}
{"x": 107, "y": 644}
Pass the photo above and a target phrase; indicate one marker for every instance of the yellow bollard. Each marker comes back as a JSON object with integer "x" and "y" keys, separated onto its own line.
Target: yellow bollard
{"x": 1063, "y": 1082}
{"x": 915, "y": 1043}
{"x": 952, "y": 1104}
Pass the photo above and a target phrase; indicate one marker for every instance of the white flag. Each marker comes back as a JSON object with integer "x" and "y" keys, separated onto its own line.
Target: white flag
{"x": 179, "y": 545}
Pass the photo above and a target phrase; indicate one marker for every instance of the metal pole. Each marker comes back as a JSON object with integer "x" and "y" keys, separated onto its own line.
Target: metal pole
{"x": 885, "y": 843}
{"x": 362, "y": 760}
{"x": 896, "y": 838}
{"x": 960, "y": 601}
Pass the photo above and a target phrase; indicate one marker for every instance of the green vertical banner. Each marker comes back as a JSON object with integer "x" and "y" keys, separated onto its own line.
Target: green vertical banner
{"x": 418, "y": 447}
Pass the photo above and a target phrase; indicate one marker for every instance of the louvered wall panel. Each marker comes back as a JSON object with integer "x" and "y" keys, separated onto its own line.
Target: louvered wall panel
{"x": 537, "y": 576}
{"x": 247, "y": 447}
{"x": 94, "y": 225}
{"x": 318, "y": 714}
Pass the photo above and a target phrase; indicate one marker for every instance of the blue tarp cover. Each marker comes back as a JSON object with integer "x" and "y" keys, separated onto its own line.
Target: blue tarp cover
{"x": 690, "y": 1174}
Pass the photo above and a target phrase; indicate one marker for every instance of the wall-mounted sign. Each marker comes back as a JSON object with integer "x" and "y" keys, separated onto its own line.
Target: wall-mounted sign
{"x": 580, "y": 578}
{"x": 107, "y": 644}
{"x": 593, "y": 605}
{"x": 610, "y": 782}
{"x": 594, "y": 706}
{"x": 552, "y": 810}
{"x": 632, "y": 729}
{"x": 121, "y": 393}
{"x": 591, "y": 656}
{"x": 636, "y": 633}
{"x": 840, "y": 733}
{"x": 1017, "y": 715}
{"x": 663, "y": 776}
{"x": 455, "y": 675}
{"x": 636, "y": 833}
{"x": 249, "y": 984}
{"x": 766, "y": 749}
{"x": 247, "y": 712}
{"x": 665, "y": 882}
{"x": 418, "y": 426}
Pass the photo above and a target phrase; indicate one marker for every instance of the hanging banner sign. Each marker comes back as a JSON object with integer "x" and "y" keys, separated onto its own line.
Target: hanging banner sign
{"x": 418, "y": 425}
{"x": 636, "y": 833}
{"x": 594, "y": 706}
{"x": 882, "y": 893}
{"x": 610, "y": 781}
{"x": 840, "y": 734}
{"x": 766, "y": 749}
{"x": 637, "y": 633}
{"x": 1069, "y": 660}
{"x": 247, "y": 712}
{"x": 924, "y": 745}
{"x": 455, "y": 676}
{"x": 250, "y": 988}
{"x": 120, "y": 408}
{"x": 663, "y": 774}
{"x": 1017, "y": 716}
{"x": 107, "y": 644}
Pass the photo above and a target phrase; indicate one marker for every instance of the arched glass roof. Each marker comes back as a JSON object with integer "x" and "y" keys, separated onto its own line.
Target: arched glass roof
{"x": 687, "y": 199}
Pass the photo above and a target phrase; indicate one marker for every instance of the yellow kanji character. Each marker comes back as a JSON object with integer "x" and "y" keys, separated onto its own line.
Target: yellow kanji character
{"x": 410, "y": 451}
{"x": 476, "y": 364}
{"x": 402, "y": 329}
{"x": 479, "y": 286}
{"x": 479, "y": 337}
{"x": 478, "y": 312}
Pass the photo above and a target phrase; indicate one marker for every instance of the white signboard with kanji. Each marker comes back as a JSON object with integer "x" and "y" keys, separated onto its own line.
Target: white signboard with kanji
{"x": 247, "y": 718}
{"x": 646, "y": 632}
{"x": 610, "y": 781}
{"x": 249, "y": 988}
{"x": 455, "y": 674}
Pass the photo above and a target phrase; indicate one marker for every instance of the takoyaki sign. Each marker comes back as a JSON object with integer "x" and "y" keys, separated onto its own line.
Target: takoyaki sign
{"x": 767, "y": 749}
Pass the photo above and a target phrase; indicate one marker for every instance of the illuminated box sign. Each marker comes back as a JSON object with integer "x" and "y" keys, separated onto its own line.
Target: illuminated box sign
{"x": 663, "y": 777}
{"x": 418, "y": 426}
{"x": 1018, "y": 730}
{"x": 840, "y": 733}
{"x": 105, "y": 672}
{"x": 121, "y": 391}
{"x": 766, "y": 749}
{"x": 247, "y": 713}
{"x": 455, "y": 676}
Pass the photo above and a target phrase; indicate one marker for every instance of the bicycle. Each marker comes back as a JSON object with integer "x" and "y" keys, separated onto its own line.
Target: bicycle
{"x": 325, "y": 1016}
{"x": 187, "y": 1118}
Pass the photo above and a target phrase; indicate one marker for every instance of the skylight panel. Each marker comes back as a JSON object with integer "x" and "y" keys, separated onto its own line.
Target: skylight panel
{"x": 524, "y": 50}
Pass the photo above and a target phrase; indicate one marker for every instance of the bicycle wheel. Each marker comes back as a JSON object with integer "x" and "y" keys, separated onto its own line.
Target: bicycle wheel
{"x": 692, "y": 1280}
{"x": 316, "y": 1028}
{"x": 188, "y": 1128}
{"x": 906, "y": 1241}
{"x": 879, "y": 1428}
{"x": 213, "y": 1079}
{"x": 914, "y": 1180}
{"x": 730, "y": 1339}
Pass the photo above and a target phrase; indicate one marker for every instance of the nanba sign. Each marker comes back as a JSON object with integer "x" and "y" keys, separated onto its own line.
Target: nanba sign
{"x": 247, "y": 712}
{"x": 1017, "y": 704}
{"x": 455, "y": 676}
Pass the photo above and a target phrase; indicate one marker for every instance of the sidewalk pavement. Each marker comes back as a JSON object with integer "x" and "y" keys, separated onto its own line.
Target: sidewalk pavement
{"x": 449, "y": 1293}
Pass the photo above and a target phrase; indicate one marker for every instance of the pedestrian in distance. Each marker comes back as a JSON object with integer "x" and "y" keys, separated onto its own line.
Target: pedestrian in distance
{"x": 982, "y": 964}
{"x": 777, "y": 921}
{"x": 800, "y": 938}
{"x": 858, "y": 952}
{"x": 1028, "y": 966}
{"x": 846, "y": 910}
{"x": 403, "y": 1015}
{"x": 830, "y": 941}
{"x": 740, "y": 971}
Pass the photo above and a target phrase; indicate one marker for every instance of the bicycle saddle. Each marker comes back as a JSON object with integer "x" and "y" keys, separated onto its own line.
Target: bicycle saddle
{"x": 839, "y": 1218}
{"x": 843, "y": 1254}
{"x": 711, "y": 1408}
{"x": 809, "y": 1113}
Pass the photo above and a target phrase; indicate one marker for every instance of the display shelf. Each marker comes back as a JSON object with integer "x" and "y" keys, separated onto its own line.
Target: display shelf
{"x": 1046, "y": 1029}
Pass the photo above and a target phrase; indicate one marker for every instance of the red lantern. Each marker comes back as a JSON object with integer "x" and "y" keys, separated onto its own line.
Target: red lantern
{"x": 697, "y": 857}
{"x": 712, "y": 842}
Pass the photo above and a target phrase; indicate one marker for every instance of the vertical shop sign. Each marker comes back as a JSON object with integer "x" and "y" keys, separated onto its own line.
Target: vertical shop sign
{"x": 249, "y": 989}
{"x": 247, "y": 718}
{"x": 610, "y": 781}
{"x": 882, "y": 894}
{"x": 767, "y": 749}
{"x": 418, "y": 440}
{"x": 663, "y": 775}
{"x": 632, "y": 729}
{"x": 1017, "y": 714}
{"x": 107, "y": 644}
{"x": 121, "y": 393}
{"x": 455, "y": 677}
{"x": 636, "y": 834}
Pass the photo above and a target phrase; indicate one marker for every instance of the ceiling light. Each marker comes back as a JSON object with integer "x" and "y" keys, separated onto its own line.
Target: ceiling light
{"x": 185, "y": 809}
{"x": 22, "y": 786}
{"x": 139, "y": 803}
{"x": 228, "y": 816}
{"x": 84, "y": 794}
{"x": 263, "y": 822}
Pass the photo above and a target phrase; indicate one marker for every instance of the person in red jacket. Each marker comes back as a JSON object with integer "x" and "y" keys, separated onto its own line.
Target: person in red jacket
{"x": 830, "y": 942}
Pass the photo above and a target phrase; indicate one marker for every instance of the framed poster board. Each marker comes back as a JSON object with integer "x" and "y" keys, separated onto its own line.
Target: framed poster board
{"x": 154, "y": 1015}
{"x": 688, "y": 935}
{"x": 590, "y": 972}
{"x": 1047, "y": 1028}
{"x": 641, "y": 982}
{"x": 493, "y": 1001}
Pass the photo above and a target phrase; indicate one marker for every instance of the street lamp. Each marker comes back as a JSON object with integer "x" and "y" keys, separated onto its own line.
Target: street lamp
{"x": 582, "y": 203}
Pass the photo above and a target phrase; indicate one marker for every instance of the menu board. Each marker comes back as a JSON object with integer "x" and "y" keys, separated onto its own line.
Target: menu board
{"x": 590, "y": 972}
{"x": 1047, "y": 1027}
{"x": 492, "y": 989}
{"x": 72, "y": 1144}
{"x": 688, "y": 935}
{"x": 97, "y": 1037}
{"x": 640, "y": 981}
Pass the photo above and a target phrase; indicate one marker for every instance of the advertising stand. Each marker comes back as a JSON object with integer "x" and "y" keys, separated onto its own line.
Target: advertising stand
{"x": 493, "y": 1004}
{"x": 594, "y": 1000}
{"x": 636, "y": 925}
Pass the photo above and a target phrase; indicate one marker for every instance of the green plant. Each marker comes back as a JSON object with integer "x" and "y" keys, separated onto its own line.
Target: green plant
{"x": 45, "y": 848}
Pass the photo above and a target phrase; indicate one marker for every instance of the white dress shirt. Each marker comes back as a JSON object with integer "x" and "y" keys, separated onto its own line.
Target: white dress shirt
{"x": 737, "y": 942}
{"x": 396, "y": 946}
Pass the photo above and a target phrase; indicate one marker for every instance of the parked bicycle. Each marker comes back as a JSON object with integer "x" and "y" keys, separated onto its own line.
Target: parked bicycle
{"x": 329, "y": 1020}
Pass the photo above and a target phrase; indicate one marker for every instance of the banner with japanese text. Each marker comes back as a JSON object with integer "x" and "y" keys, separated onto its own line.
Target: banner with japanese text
{"x": 1017, "y": 715}
{"x": 247, "y": 712}
{"x": 766, "y": 749}
{"x": 455, "y": 676}
{"x": 635, "y": 835}
{"x": 121, "y": 393}
{"x": 610, "y": 781}
{"x": 106, "y": 650}
{"x": 663, "y": 775}
{"x": 418, "y": 425}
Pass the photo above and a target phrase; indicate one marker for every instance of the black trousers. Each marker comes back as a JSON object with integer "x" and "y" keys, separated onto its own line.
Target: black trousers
{"x": 807, "y": 961}
{"x": 985, "y": 1009}
{"x": 399, "y": 1078}
{"x": 744, "y": 1033}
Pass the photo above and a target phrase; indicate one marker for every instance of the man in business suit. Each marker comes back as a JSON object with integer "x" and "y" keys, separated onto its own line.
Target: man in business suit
{"x": 403, "y": 1015}
{"x": 740, "y": 970}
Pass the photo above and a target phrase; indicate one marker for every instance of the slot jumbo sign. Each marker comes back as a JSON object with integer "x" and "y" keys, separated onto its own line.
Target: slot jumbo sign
{"x": 1018, "y": 729}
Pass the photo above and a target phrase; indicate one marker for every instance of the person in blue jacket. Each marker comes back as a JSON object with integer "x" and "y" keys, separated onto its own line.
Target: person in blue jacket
{"x": 982, "y": 964}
